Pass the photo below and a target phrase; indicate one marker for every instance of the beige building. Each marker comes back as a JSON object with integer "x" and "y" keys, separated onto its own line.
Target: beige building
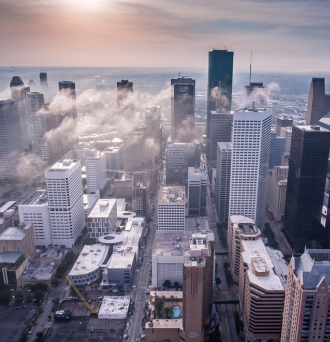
{"x": 188, "y": 321}
{"x": 306, "y": 310}
{"x": 19, "y": 240}
{"x": 240, "y": 227}
{"x": 123, "y": 187}
{"x": 277, "y": 183}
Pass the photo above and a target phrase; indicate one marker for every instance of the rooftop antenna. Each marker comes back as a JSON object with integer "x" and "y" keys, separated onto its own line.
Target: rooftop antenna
{"x": 250, "y": 68}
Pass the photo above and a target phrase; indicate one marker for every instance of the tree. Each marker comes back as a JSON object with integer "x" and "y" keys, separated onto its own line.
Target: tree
{"x": 167, "y": 311}
{"x": 176, "y": 285}
{"x": 19, "y": 296}
{"x": 28, "y": 298}
{"x": 217, "y": 281}
{"x": 39, "y": 286}
{"x": 61, "y": 269}
{"x": 38, "y": 295}
{"x": 242, "y": 336}
{"x": 5, "y": 296}
{"x": 56, "y": 301}
{"x": 55, "y": 282}
{"x": 226, "y": 265}
{"x": 172, "y": 297}
{"x": 167, "y": 283}
{"x": 49, "y": 317}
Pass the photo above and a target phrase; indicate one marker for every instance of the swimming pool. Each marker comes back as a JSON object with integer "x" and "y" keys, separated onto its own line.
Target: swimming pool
{"x": 176, "y": 311}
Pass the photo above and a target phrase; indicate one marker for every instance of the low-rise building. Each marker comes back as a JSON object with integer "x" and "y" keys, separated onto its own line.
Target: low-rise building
{"x": 171, "y": 208}
{"x": 123, "y": 187}
{"x": 7, "y": 212}
{"x": 167, "y": 256}
{"x": 86, "y": 269}
{"x": 103, "y": 217}
{"x": 114, "y": 158}
{"x": 114, "y": 307}
{"x": 89, "y": 202}
{"x": 12, "y": 265}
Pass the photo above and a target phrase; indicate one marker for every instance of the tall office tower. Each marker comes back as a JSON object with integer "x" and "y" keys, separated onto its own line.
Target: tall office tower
{"x": 220, "y": 131}
{"x": 306, "y": 182}
{"x": 10, "y": 137}
{"x": 260, "y": 286}
{"x": 141, "y": 201}
{"x": 153, "y": 121}
{"x": 68, "y": 99}
{"x": 282, "y": 121}
{"x": 182, "y": 110}
{"x": 219, "y": 88}
{"x": 43, "y": 80}
{"x": 306, "y": 308}
{"x": 31, "y": 84}
{"x": 222, "y": 184}
{"x": 96, "y": 166}
{"x": 114, "y": 157}
{"x": 124, "y": 99}
{"x": 197, "y": 184}
{"x": 285, "y": 159}
{"x": 255, "y": 94}
{"x": 18, "y": 94}
{"x": 286, "y": 132}
{"x": 277, "y": 184}
{"x": 35, "y": 103}
{"x": 318, "y": 102}
{"x": 277, "y": 147}
{"x": 180, "y": 156}
{"x": 249, "y": 166}
{"x": 171, "y": 208}
{"x": 35, "y": 210}
{"x": 65, "y": 201}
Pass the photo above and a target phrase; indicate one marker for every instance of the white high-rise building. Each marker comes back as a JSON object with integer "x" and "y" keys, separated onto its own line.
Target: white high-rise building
{"x": 65, "y": 201}
{"x": 35, "y": 210}
{"x": 249, "y": 166}
{"x": 35, "y": 102}
{"x": 171, "y": 208}
{"x": 96, "y": 173}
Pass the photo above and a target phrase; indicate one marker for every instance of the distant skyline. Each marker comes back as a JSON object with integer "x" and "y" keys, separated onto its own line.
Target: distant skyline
{"x": 285, "y": 36}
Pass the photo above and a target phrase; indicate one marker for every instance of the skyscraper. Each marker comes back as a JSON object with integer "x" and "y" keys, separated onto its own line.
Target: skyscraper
{"x": 222, "y": 185}
{"x": 96, "y": 165}
{"x": 182, "y": 109}
{"x": 68, "y": 101}
{"x": 35, "y": 103}
{"x": 43, "y": 80}
{"x": 306, "y": 182}
{"x": 10, "y": 137}
{"x": 282, "y": 121}
{"x": 65, "y": 201}
{"x": 318, "y": 102}
{"x": 197, "y": 184}
{"x": 220, "y": 82}
{"x": 250, "y": 160}
{"x": 255, "y": 93}
{"x": 124, "y": 100}
{"x": 18, "y": 94}
{"x": 277, "y": 147}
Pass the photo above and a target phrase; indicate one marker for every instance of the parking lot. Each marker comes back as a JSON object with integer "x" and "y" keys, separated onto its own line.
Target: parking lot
{"x": 13, "y": 321}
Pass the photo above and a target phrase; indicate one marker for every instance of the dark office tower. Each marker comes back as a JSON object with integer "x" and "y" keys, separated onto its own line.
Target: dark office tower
{"x": 182, "y": 109}
{"x": 18, "y": 94}
{"x": 10, "y": 137}
{"x": 43, "y": 80}
{"x": 306, "y": 182}
{"x": 318, "y": 102}
{"x": 124, "y": 99}
{"x": 69, "y": 105}
{"x": 31, "y": 84}
{"x": 282, "y": 121}
{"x": 255, "y": 94}
{"x": 219, "y": 88}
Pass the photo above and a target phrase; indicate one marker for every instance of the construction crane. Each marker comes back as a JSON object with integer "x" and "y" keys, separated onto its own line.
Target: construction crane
{"x": 96, "y": 311}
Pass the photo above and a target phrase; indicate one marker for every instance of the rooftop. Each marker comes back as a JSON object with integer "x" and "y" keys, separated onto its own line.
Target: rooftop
{"x": 38, "y": 271}
{"x": 38, "y": 198}
{"x": 167, "y": 294}
{"x": 170, "y": 243}
{"x": 172, "y": 194}
{"x": 166, "y": 323}
{"x": 258, "y": 261}
{"x": 248, "y": 228}
{"x": 10, "y": 257}
{"x": 312, "y": 128}
{"x": 102, "y": 208}
{"x": 13, "y": 233}
{"x": 90, "y": 258}
{"x": 225, "y": 146}
{"x": 63, "y": 165}
{"x": 54, "y": 254}
{"x": 89, "y": 200}
{"x": 247, "y": 110}
{"x": 6, "y": 206}
{"x": 114, "y": 306}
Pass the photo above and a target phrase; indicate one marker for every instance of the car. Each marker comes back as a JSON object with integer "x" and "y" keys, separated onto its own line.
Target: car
{"x": 101, "y": 297}
{"x": 28, "y": 290}
{"x": 35, "y": 323}
{"x": 18, "y": 308}
{"x": 24, "y": 307}
{"x": 12, "y": 290}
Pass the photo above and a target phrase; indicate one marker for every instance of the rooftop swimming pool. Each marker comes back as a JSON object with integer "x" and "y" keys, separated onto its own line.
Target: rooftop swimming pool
{"x": 176, "y": 311}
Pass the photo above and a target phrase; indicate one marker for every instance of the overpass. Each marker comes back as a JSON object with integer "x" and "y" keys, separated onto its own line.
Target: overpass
{"x": 225, "y": 297}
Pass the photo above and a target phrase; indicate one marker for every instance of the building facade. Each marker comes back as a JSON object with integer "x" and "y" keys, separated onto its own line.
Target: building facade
{"x": 67, "y": 91}
{"x": 96, "y": 173}
{"x": 277, "y": 147}
{"x": 249, "y": 166}
{"x": 222, "y": 183}
{"x": 141, "y": 200}
{"x": 197, "y": 184}
{"x": 65, "y": 201}
{"x": 281, "y": 122}
{"x": 124, "y": 100}
{"x": 286, "y": 132}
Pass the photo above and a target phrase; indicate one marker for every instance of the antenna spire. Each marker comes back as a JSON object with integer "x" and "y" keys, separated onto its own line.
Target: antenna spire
{"x": 250, "y": 68}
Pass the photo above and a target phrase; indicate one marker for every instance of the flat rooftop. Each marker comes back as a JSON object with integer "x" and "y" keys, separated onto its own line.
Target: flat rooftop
{"x": 256, "y": 110}
{"x": 121, "y": 204}
{"x": 37, "y": 198}
{"x": 167, "y": 294}
{"x": 248, "y": 228}
{"x": 54, "y": 254}
{"x": 102, "y": 208}
{"x": 312, "y": 128}
{"x": 10, "y": 257}
{"x": 170, "y": 243}
{"x": 89, "y": 200}
{"x": 166, "y": 323}
{"x": 13, "y": 233}
{"x": 38, "y": 271}
{"x": 63, "y": 165}
{"x": 172, "y": 194}
{"x": 90, "y": 258}
{"x": 6, "y": 206}
{"x": 255, "y": 250}
{"x": 114, "y": 306}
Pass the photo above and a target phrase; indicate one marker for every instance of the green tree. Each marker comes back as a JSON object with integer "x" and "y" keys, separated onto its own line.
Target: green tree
{"x": 55, "y": 282}
{"x": 167, "y": 311}
{"x": 172, "y": 298}
{"x": 61, "y": 269}
{"x": 38, "y": 295}
{"x": 28, "y": 298}
{"x": 19, "y": 296}
{"x": 39, "y": 286}
{"x": 5, "y": 296}
{"x": 176, "y": 285}
{"x": 56, "y": 301}
{"x": 217, "y": 281}
{"x": 242, "y": 336}
{"x": 167, "y": 283}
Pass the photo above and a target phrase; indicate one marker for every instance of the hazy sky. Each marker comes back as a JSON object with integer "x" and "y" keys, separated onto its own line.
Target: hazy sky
{"x": 286, "y": 35}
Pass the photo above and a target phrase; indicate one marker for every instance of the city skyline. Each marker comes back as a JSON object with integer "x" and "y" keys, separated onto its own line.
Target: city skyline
{"x": 166, "y": 34}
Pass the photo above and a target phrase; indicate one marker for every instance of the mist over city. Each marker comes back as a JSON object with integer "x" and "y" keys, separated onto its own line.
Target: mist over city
{"x": 165, "y": 171}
